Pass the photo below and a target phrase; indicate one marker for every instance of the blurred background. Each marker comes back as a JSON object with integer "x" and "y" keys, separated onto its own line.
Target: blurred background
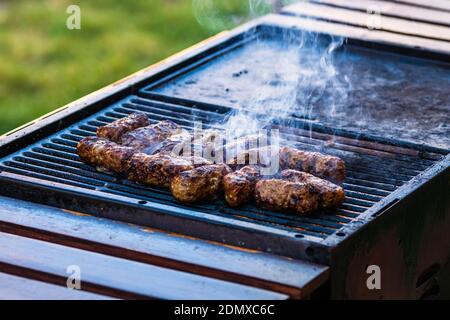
{"x": 43, "y": 65}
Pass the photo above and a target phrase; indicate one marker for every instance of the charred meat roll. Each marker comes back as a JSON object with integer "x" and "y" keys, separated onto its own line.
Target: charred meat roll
{"x": 174, "y": 144}
{"x": 190, "y": 144}
{"x": 156, "y": 170}
{"x": 197, "y": 161}
{"x": 282, "y": 195}
{"x": 115, "y": 130}
{"x": 104, "y": 153}
{"x": 147, "y": 139}
{"x": 202, "y": 183}
{"x": 228, "y": 150}
{"x": 239, "y": 186}
{"x": 323, "y": 166}
{"x": 233, "y": 146}
{"x": 331, "y": 195}
{"x": 265, "y": 157}
{"x": 182, "y": 144}
{"x": 208, "y": 142}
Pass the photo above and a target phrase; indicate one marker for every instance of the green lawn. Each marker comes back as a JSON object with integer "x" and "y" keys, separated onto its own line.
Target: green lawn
{"x": 43, "y": 65}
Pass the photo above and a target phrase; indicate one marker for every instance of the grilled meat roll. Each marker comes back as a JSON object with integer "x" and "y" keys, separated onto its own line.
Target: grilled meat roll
{"x": 277, "y": 194}
{"x": 202, "y": 183}
{"x": 156, "y": 170}
{"x": 239, "y": 186}
{"x": 173, "y": 144}
{"x": 104, "y": 153}
{"x": 323, "y": 166}
{"x": 182, "y": 144}
{"x": 265, "y": 157}
{"x": 115, "y": 130}
{"x": 330, "y": 195}
{"x": 189, "y": 144}
{"x": 148, "y": 139}
{"x": 232, "y": 147}
{"x": 197, "y": 161}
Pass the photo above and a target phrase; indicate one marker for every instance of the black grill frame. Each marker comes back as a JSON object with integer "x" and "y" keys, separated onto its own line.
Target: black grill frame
{"x": 194, "y": 223}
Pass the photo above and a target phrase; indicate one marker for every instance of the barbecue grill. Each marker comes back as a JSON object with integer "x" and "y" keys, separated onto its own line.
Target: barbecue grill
{"x": 396, "y": 213}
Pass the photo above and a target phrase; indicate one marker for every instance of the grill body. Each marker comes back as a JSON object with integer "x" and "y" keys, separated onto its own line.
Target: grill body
{"x": 397, "y": 203}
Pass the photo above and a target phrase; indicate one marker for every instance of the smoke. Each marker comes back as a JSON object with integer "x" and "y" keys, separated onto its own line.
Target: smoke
{"x": 302, "y": 73}
{"x": 218, "y": 15}
{"x": 321, "y": 85}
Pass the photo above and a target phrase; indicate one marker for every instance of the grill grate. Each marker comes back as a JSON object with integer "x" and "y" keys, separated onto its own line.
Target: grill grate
{"x": 374, "y": 169}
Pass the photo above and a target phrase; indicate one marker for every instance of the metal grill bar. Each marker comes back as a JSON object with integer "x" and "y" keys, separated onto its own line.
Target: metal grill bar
{"x": 374, "y": 170}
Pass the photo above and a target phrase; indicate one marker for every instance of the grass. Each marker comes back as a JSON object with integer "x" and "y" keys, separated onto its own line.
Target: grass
{"x": 43, "y": 65}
